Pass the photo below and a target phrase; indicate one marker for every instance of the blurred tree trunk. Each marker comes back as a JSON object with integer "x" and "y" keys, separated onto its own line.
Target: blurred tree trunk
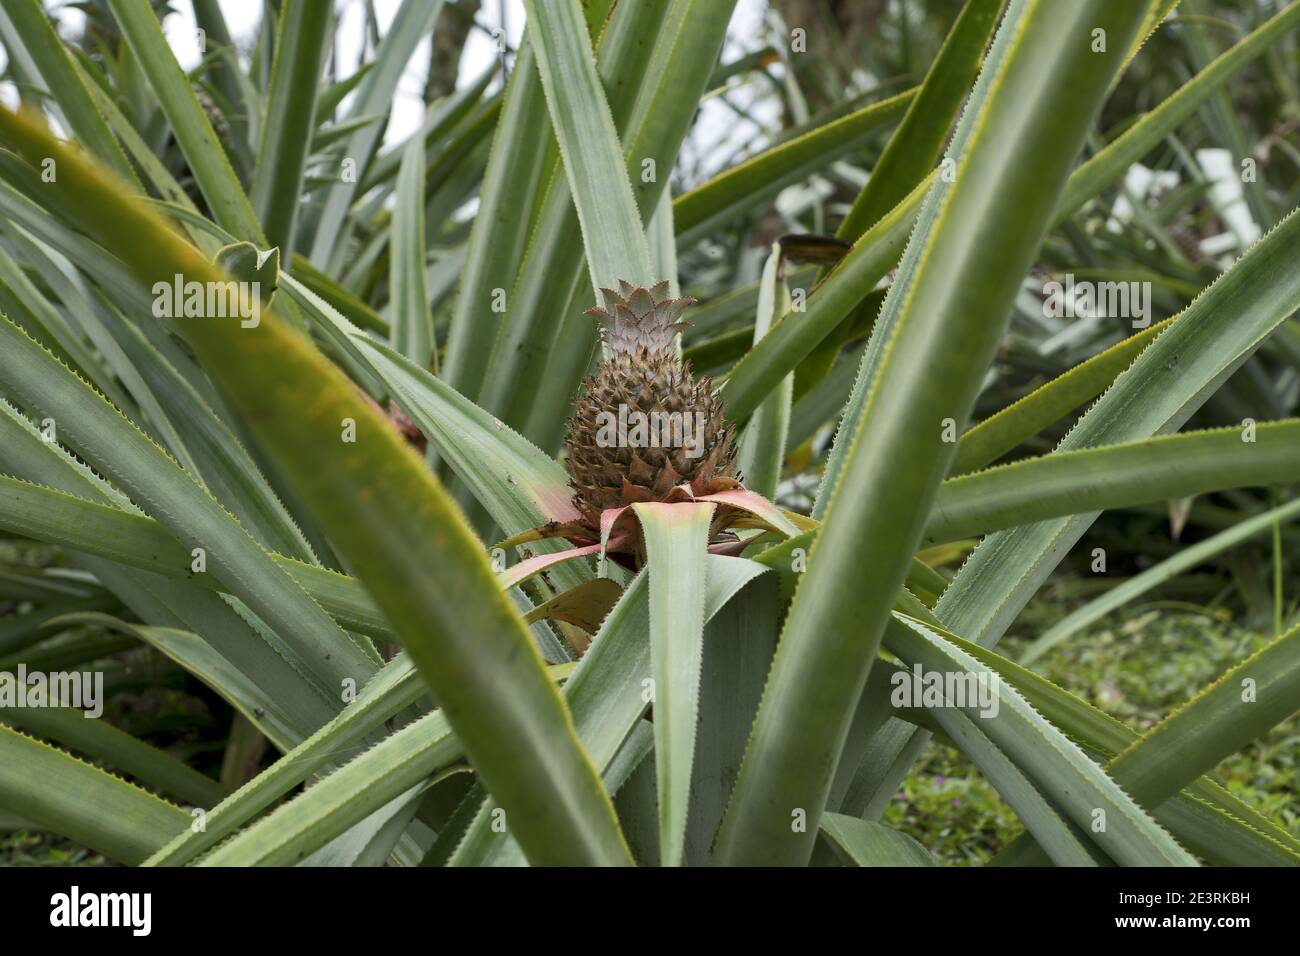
{"x": 837, "y": 32}
{"x": 831, "y": 21}
{"x": 450, "y": 31}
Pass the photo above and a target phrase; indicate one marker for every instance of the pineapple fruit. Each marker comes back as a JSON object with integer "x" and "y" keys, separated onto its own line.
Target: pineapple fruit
{"x": 673, "y": 431}
{"x": 644, "y": 428}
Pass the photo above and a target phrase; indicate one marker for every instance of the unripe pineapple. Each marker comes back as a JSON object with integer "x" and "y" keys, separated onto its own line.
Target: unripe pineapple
{"x": 643, "y": 425}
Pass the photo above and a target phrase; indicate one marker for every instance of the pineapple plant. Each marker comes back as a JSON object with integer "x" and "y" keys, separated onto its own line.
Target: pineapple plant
{"x": 481, "y": 544}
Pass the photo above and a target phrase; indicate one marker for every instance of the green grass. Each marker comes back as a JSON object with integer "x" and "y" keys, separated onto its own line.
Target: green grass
{"x": 23, "y": 848}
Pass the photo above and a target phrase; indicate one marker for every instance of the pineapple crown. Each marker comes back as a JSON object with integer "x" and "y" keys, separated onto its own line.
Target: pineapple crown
{"x": 638, "y": 319}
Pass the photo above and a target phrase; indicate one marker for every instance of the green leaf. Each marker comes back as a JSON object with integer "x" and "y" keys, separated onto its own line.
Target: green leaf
{"x": 412, "y": 23}
{"x": 607, "y": 690}
{"x": 520, "y": 486}
{"x": 973, "y": 253}
{"x": 1158, "y": 574}
{"x": 762, "y": 446}
{"x": 207, "y": 446}
{"x": 29, "y": 32}
{"x": 796, "y": 335}
{"x": 41, "y": 585}
{"x": 26, "y": 306}
{"x": 739, "y": 641}
{"x": 919, "y": 139}
{"x": 863, "y": 843}
{"x": 1084, "y": 183}
{"x": 78, "y": 730}
{"x": 223, "y": 68}
{"x": 1204, "y": 817}
{"x": 663, "y": 244}
{"x": 824, "y": 401}
{"x": 83, "y": 803}
{"x": 330, "y": 96}
{"x": 1167, "y": 382}
{"x": 511, "y": 189}
{"x": 448, "y": 125}
{"x": 1243, "y": 704}
{"x": 338, "y": 297}
{"x": 761, "y": 177}
{"x": 593, "y": 160}
{"x": 392, "y": 690}
{"x": 194, "y": 655}
{"x": 67, "y": 650}
{"x": 302, "y": 39}
{"x": 1059, "y": 768}
{"x": 373, "y": 840}
{"x": 408, "y": 293}
{"x": 1000, "y": 433}
{"x": 677, "y": 538}
{"x": 244, "y": 262}
{"x": 227, "y": 626}
{"x": 1149, "y": 131}
{"x": 111, "y": 444}
{"x": 653, "y": 90}
{"x": 344, "y": 798}
{"x": 46, "y": 514}
{"x": 203, "y": 151}
{"x": 1095, "y": 479}
{"x": 328, "y": 135}
{"x": 1055, "y": 834}
{"x": 20, "y": 631}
